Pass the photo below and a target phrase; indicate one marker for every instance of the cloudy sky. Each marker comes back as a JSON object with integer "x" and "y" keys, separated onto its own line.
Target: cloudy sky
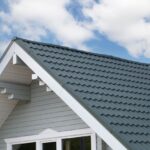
{"x": 115, "y": 27}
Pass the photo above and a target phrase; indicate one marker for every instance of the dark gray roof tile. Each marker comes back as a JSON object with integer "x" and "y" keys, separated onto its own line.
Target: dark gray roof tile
{"x": 116, "y": 91}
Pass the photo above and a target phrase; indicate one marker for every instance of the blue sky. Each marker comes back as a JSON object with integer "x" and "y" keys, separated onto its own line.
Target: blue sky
{"x": 119, "y": 27}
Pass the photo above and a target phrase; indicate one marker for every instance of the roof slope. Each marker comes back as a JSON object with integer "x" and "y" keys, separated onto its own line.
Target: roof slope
{"x": 114, "y": 90}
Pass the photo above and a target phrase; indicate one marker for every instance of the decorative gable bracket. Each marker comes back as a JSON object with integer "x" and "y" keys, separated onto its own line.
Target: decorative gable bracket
{"x": 15, "y": 91}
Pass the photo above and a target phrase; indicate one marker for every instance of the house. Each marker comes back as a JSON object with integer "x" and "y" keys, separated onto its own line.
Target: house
{"x": 57, "y": 98}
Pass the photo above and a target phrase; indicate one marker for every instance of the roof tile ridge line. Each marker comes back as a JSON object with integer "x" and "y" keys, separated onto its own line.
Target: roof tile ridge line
{"x": 85, "y": 52}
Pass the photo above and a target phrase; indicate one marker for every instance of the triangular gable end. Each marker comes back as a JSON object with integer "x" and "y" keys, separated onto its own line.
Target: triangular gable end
{"x": 15, "y": 50}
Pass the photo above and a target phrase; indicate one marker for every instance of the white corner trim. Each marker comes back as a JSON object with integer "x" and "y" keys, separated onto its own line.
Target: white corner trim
{"x": 59, "y": 144}
{"x": 91, "y": 121}
{"x": 9, "y": 147}
{"x": 93, "y": 141}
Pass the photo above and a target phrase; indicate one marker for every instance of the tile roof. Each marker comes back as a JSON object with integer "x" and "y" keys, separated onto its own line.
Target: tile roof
{"x": 116, "y": 91}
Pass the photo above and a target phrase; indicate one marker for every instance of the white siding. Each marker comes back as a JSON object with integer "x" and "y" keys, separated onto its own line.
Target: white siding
{"x": 16, "y": 74}
{"x": 6, "y": 107}
{"x": 46, "y": 110}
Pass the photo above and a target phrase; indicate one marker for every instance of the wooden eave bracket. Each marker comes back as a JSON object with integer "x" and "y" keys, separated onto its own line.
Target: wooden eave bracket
{"x": 41, "y": 83}
{"x": 15, "y": 91}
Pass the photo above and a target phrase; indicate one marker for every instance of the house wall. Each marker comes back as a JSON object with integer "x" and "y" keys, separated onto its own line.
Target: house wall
{"x": 16, "y": 74}
{"x": 45, "y": 110}
{"x": 6, "y": 107}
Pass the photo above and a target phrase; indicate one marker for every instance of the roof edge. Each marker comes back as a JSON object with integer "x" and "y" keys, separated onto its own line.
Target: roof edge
{"x": 83, "y": 51}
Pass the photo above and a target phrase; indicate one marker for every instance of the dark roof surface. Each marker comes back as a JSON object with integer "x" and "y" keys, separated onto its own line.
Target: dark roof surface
{"x": 113, "y": 90}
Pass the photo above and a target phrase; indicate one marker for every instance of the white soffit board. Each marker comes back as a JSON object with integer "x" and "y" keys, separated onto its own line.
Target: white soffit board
{"x": 112, "y": 141}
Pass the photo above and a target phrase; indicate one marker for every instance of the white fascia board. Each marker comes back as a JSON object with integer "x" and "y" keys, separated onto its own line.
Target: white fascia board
{"x": 7, "y": 58}
{"x": 91, "y": 121}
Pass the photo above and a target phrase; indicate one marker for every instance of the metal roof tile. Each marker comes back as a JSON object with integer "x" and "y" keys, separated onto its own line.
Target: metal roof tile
{"x": 115, "y": 90}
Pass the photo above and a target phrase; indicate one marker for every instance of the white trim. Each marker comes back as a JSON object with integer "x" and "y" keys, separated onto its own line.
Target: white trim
{"x": 41, "y": 83}
{"x": 38, "y": 145}
{"x": 93, "y": 141}
{"x": 49, "y": 134}
{"x": 9, "y": 146}
{"x": 52, "y": 136}
{"x": 59, "y": 144}
{"x": 106, "y": 135}
{"x": 15, "y": 59}
{"x": 48, "y": 89}
{"x": 7, "y": 58}
{"x": 34, "y": 77}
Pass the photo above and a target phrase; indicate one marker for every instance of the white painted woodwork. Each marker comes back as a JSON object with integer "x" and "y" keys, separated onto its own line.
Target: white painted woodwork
{"x": 15, "y": 91}
{"x": 34, "y": 77}
{"x": 4, "y": 91}
{"x": 17, "y": 60}
{"x": 41, "y": 83}
{"x": 19, "y": 97}
{"x": 38, "y": 145}
{"x": 9, "y": 147}
{"x": 59, "y": 144}
{"x": 53, "y": 136}
{"x": 48, "y": 89}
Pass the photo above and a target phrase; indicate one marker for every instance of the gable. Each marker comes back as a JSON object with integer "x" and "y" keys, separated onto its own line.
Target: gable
{"x": 111, "y": 94}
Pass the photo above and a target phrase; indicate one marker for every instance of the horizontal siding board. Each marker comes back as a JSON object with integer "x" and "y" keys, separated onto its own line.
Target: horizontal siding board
{"x": 39, "y": 111}
{"x": 16, "y": 73}
{"x": 45, "y": 110}
{"x": 53, "y": 114}
{"x": 60, "y": 116}
{"x": 43, "y": 121}
{"x": 23, "y": 131}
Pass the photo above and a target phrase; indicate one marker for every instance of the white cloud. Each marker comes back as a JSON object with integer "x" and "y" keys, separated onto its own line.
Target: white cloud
{"x": 5, "y": 29}
{"x": 34, "y": 18}
{"x": 126, "y": 22}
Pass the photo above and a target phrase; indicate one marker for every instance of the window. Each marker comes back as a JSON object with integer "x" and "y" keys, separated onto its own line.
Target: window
{"x": 49, "y": 146}
{"x": 28, "y": 146}
{"x": 79, "y": 143}
{"x": 83, "y": 139}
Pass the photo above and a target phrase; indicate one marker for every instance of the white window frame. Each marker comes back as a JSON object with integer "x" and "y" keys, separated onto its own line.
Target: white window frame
{"x": 52, "y": 136}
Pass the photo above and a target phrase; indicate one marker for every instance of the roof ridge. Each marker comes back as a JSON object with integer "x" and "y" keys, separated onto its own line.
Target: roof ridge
{"x": 83, "y": 51}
